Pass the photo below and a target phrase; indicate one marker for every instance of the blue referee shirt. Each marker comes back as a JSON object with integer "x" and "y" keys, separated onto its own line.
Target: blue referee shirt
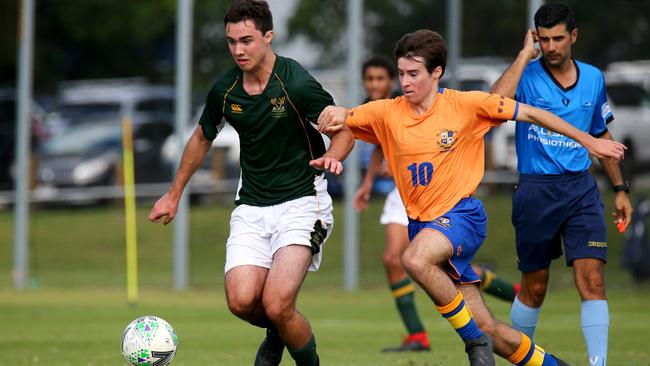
{"x": 583, "y": 104}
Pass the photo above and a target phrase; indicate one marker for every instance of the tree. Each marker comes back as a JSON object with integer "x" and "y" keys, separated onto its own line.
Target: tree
{"x": 608, "y": 31}
{"x": 107, "y": 39}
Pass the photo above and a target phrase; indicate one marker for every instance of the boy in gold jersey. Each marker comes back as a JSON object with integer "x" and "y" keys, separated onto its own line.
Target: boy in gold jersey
{"x": 433, "y": 142}
{"x": 378, "y": 75}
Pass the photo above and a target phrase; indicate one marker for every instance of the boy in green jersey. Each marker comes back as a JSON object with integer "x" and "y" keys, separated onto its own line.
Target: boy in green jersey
{"x": 283, "y": 214}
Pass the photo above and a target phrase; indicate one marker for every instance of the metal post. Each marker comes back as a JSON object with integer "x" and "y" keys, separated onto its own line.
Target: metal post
{"x": 533, "y": 5}
{"x": 454, "y": 38}
{"x": 23, "y": 134}
{"x": 183, "y": 83}
{"x": 351, "y": 174}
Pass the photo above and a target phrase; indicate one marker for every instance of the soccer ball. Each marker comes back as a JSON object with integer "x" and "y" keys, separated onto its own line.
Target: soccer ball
{"x": 149, "y": 341}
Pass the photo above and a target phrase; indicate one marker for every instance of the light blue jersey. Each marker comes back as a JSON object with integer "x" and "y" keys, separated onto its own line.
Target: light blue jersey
{"x": 583, "y": 104}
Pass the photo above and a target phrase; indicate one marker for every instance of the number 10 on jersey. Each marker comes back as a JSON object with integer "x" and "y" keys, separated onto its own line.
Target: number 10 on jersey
{"x": 421, "y": 174}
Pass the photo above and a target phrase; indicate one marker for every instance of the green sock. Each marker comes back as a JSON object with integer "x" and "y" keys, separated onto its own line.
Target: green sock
{"x": 494, "y": 285}
{"x": 305, "y": 356}
{"x": 404, "y": 294}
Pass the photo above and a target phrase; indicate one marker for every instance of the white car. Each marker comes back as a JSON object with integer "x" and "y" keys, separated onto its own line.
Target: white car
{"x": 628, "y": 89}
{"x": 220, "y": 170}
{"x": 480, "y": 74}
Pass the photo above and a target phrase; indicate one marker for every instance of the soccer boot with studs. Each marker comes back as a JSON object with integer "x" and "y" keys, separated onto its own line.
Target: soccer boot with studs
{"x": 412, "y": 343}
{"x": 479, "y": 351}
{"x": 271, "y": 349}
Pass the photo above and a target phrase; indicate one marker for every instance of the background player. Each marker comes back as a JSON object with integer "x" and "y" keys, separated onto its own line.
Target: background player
{"x": 283, "y": 214}
{"x": 378, "y": 75}
{"x": 433, "y": 141}
{"x": 555, "y": 187}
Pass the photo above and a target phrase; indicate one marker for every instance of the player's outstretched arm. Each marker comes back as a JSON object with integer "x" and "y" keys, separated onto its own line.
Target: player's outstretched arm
{"x": 332, "y": 119}
{"x": 506, "y": 85}
{"x": 623, "y": 214}
{"x": 195, "y": 150}
{"x": 600, "y": 148}
{"x": 341, "y": 143}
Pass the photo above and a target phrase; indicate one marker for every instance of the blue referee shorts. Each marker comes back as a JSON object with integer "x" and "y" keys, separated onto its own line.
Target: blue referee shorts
{"x": 465, "y": 227}
{"x": 550, "y": 209}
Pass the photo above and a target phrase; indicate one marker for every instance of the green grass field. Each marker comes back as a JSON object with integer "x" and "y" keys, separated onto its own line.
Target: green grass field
{"x": 76, "y": 309}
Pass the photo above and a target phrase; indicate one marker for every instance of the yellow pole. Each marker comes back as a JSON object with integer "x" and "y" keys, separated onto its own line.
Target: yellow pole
{"x": 130, "y": 215}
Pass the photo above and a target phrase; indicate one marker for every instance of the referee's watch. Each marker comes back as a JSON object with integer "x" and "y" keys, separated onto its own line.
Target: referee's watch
{"x": 625, "y": 187}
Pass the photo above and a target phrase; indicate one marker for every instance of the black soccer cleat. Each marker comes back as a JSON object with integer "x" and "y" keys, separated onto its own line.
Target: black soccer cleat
{"x": 479, "y": 351}
{"x": 271, "y": 349}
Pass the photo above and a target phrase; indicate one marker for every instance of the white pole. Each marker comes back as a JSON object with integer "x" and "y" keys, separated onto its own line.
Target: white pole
{"x": 455, "y": 36}
{"x": 23, "y": 134}
{"x": 351, "y": 174}
{"x": 183, "y": 84}
{"x": 533, "y": 5}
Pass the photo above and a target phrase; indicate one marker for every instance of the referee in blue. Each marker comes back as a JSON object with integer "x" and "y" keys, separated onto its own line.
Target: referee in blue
{"x": 557, "y": 200}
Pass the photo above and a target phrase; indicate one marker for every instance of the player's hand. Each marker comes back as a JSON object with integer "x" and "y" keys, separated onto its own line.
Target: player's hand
{"x": 623, "y": 214}
{"x": 362, "y": 197}
{"x": 529, "y": 45}
{"x": 165, "y": 207}
{"x": 606, "y": 149}
{"x": 329, "y": 164}
{"x": 332, "y": 119}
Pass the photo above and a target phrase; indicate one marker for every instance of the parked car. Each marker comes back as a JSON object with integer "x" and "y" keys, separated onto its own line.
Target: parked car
{"x": 628, "y": 89}
{"x": 480, "y": 74}
{"x": 93, "y": 100}
{"x": 89, "y": 154}
{"x": 8, "y": 134}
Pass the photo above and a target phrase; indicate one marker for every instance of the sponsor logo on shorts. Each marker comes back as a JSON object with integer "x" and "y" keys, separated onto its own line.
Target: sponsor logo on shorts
{"x": 442, "y": 221}
{"x": 597, "y": 244}
{"x": 317, "y": 237}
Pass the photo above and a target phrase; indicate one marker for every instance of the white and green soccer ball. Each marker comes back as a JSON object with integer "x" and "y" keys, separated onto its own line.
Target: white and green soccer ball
{"x": 149, "y": 341}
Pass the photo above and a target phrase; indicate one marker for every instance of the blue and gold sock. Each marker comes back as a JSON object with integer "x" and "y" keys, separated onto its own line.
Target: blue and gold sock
{"x": 404, "y": 294}
{"x": 530, "y": 354}
{"x": 458, "y": 314}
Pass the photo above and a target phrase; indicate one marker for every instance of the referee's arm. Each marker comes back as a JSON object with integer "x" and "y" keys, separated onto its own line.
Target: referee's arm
{"x": 506, "y": 85}
{"x": 622, "y": 201}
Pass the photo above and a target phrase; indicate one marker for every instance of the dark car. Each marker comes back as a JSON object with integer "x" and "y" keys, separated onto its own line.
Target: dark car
{"x": 90, "y": 154}
{"x": 7, "y": 138}
{"x": 8, "y": 134}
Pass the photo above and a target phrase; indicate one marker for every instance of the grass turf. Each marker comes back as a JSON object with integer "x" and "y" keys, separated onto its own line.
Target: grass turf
{"x": 76, "y": 309}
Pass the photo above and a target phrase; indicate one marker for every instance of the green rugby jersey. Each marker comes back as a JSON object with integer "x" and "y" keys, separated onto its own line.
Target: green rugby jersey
{"x": 276, "y": 137}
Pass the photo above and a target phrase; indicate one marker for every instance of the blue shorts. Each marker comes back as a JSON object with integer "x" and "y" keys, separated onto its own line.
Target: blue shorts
{"x": 550, "y": 209}
{"x": 465, "y": 227}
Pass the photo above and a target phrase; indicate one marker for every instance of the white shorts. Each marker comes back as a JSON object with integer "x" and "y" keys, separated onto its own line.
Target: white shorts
{"x": 394, "y": 211}
{"x": 256, "y": 233}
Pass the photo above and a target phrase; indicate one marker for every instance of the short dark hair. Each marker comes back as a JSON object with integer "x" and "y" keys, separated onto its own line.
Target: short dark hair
{"x": 380, "y": 61}
{"x": 256, "y": 10}
{"x": 550, "y": 15}
{"x": 426, "y": 44}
